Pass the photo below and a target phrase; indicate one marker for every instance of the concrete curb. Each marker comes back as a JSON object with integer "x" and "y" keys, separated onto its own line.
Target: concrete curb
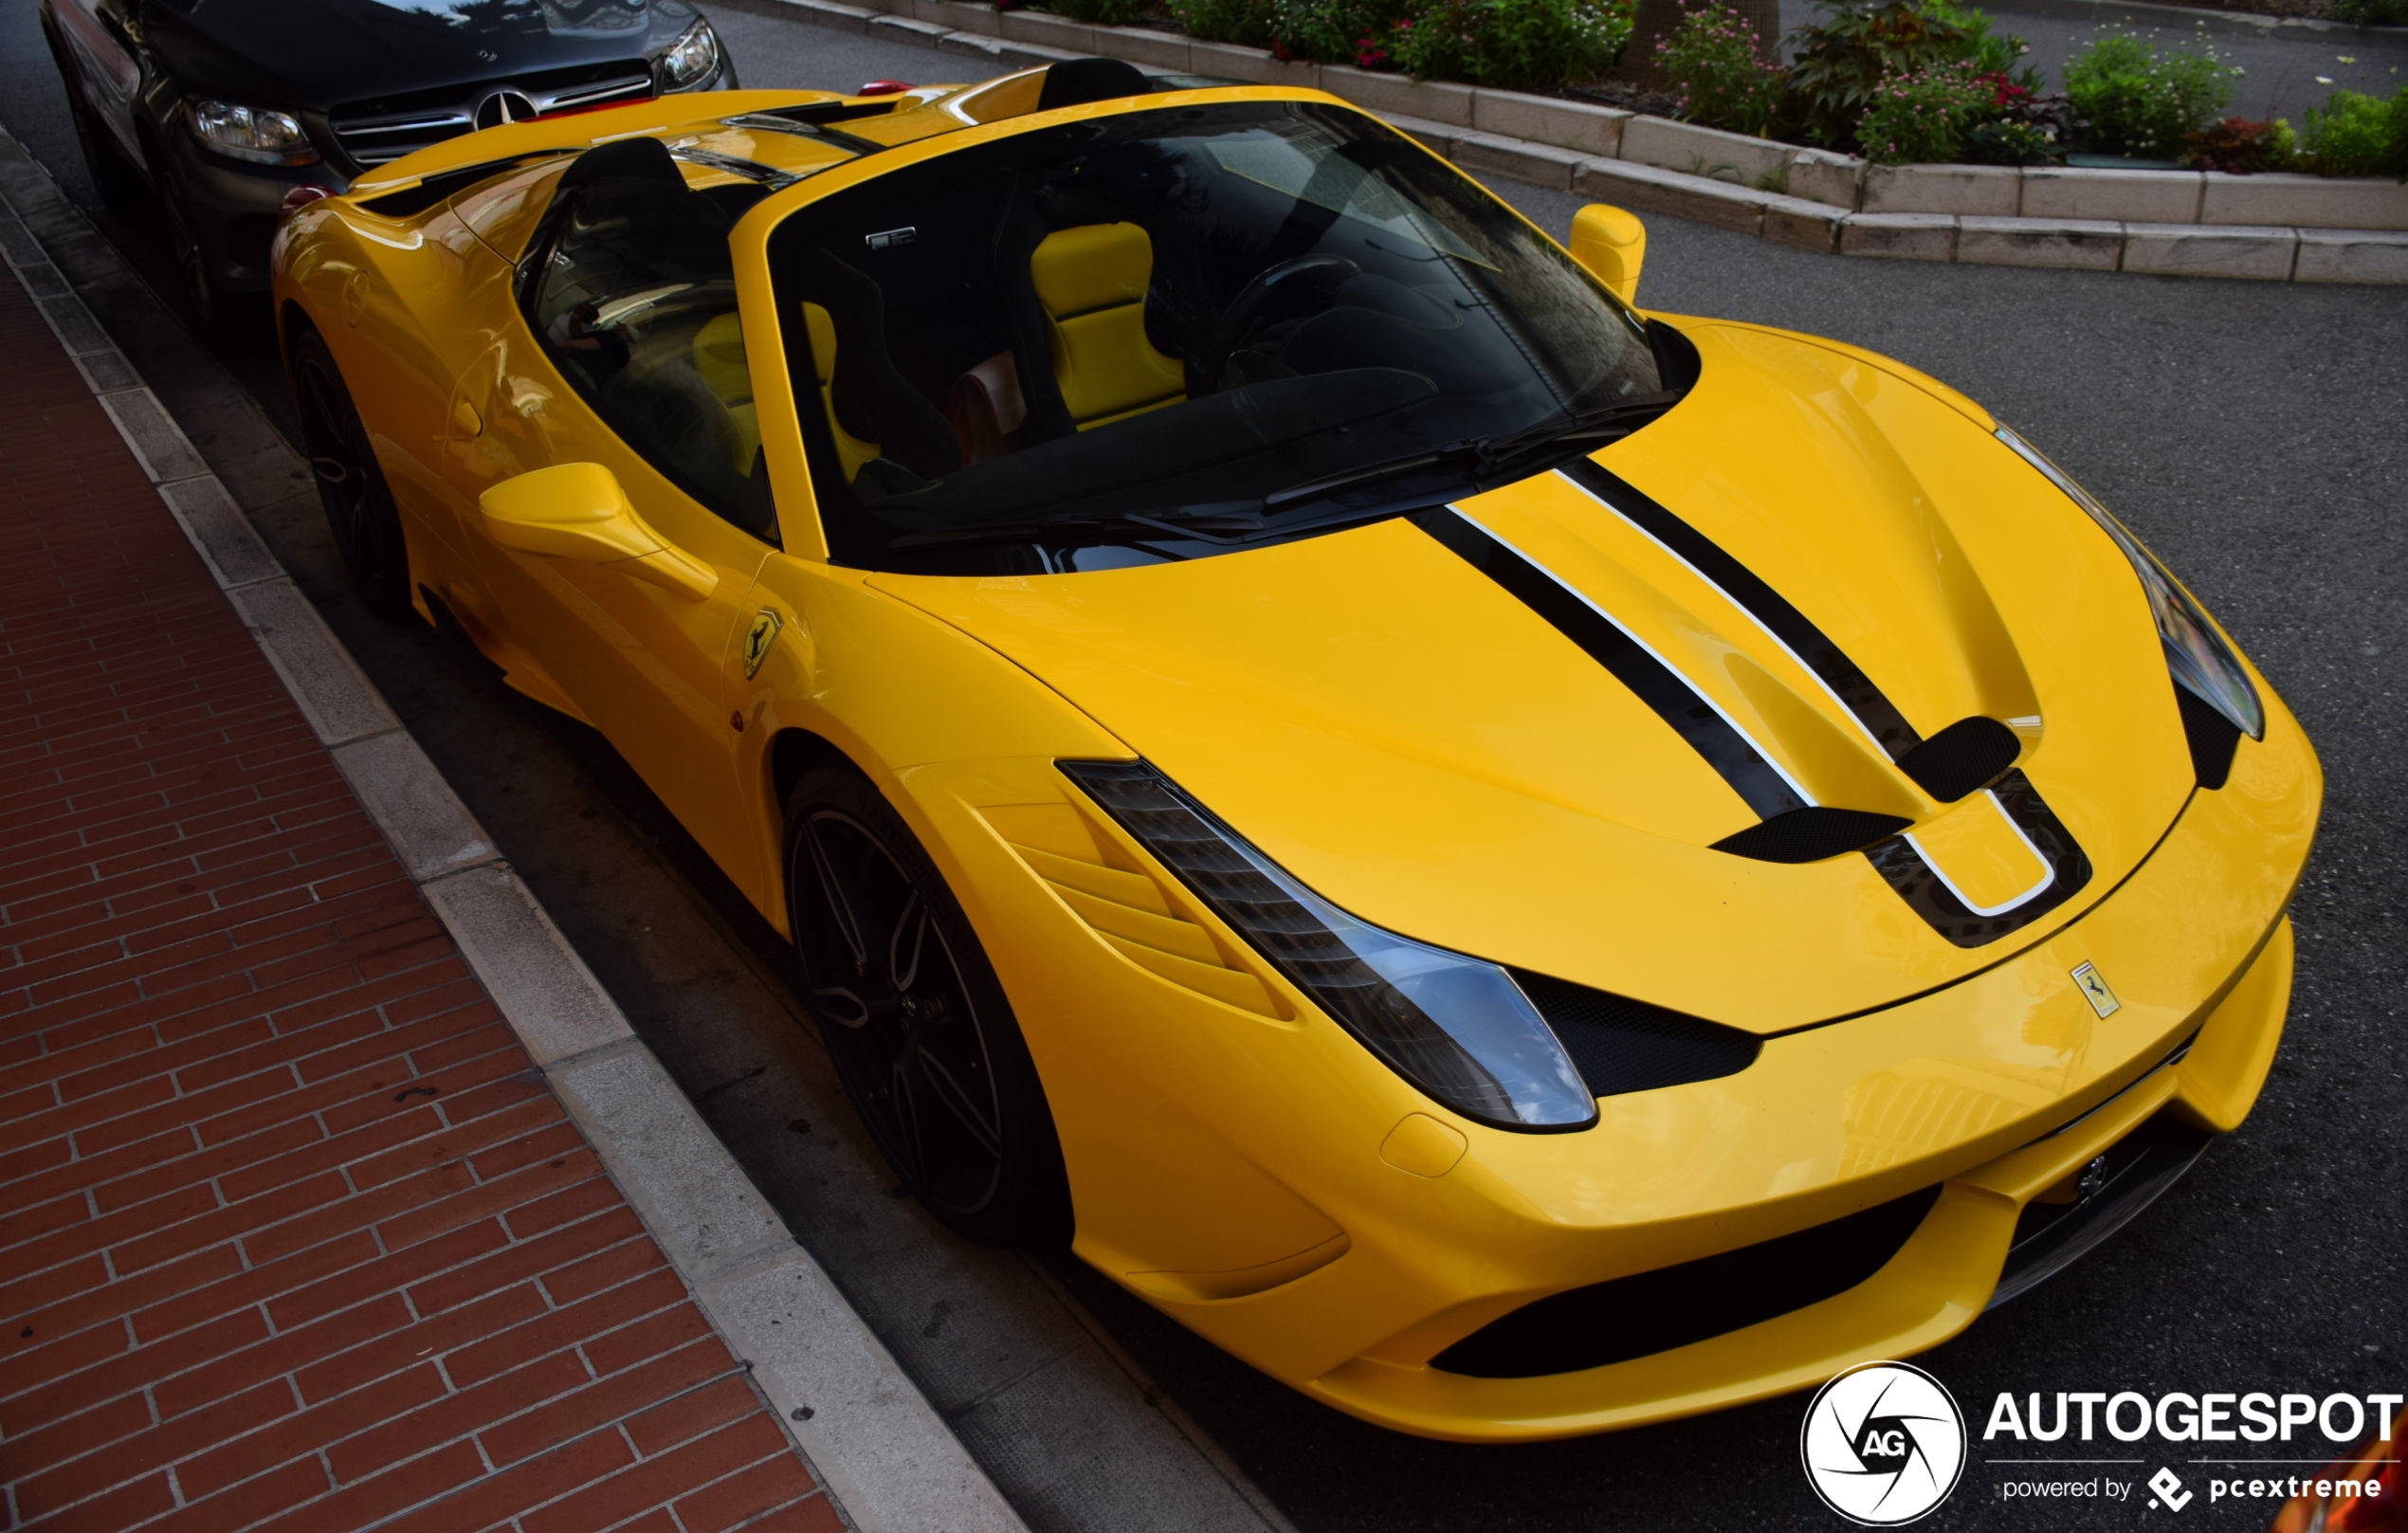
{"x": 2098, "y": 220}
{"x": 891, "y": 1463}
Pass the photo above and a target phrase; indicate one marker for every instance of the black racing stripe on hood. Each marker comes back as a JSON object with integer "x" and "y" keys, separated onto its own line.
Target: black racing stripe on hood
{"x": 1903, "y": 867}
{"x": 1658, "y": 685}
{"x": 1747, "y": 590}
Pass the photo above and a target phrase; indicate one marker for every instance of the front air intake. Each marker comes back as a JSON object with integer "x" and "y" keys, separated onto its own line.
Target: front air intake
{"x": 1651, "y": 1312}
{"x": 1619, "y": 1045}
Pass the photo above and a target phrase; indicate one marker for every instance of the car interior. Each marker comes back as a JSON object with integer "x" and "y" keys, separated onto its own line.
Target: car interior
{"x": 1165, "y": 316}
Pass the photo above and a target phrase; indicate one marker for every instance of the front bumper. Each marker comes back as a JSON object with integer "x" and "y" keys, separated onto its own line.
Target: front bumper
{"x": 1232, "y": 1167}
{"x": 232, "y": 207}
{"x": 1938, "y": 1283}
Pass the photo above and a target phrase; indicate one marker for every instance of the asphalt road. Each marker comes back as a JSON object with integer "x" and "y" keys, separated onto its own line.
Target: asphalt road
{"x": 2252, "y": 433}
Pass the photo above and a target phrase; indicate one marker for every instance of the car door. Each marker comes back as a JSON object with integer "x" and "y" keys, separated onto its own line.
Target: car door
{"x": 629, "y": 353}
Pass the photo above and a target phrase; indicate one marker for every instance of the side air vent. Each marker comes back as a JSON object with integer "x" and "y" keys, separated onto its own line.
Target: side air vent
{"x": 1809, "y": 836}
{"x": 1651, "y": 1312}
{"x": 1966, "y": 756}
{"x": 1619, "y": 1045}
{"x": 2213, "y": 738}
{"x": 1128, "y": 910}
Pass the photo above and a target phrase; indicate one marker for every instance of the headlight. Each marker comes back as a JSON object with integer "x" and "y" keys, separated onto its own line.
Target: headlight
{"x": 2203, "y": 665}
{"x": 250, "y": 133}
{"x": 1458, "y": 1027}
{"x": 692, "y": 59}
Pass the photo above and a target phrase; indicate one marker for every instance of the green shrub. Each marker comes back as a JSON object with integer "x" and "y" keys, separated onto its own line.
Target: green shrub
{"x": 1512, "y": 45}
{"x": 1720, "y": 71}
{"x": 2354, "y": 134}
{"x": 1098, "y": 12}
{"x": 2008, "y": 141}
{"x": 2013, "y": 124}
{"x": 2238, "y": 146}
{"x": 1919, "y": 119}
{"x": 1991, "y": 53}
{"x": 1844, "y": 58}
{"x": 2370, "y": 12}
{"x": 1331, "y": 32}
{"x": 1248, "y": 22}
{"x": 2134, "y": 97}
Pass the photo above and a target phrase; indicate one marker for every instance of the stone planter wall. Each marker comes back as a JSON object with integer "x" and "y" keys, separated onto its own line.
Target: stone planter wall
{"x": 2274, "y": 228}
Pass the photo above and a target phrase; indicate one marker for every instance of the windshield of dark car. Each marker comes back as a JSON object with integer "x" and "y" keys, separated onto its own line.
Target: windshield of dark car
{"x": 1135, "y": 338}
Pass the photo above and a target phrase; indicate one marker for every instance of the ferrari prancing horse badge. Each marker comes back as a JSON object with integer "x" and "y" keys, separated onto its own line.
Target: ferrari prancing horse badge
{"x": 759, "y": 638}
{"x": 2094, "y": 990}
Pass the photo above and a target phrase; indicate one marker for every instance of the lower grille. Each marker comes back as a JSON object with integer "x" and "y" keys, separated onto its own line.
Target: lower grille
{"x": 379, "y": 131}
{"x": 1651, "y": 1312}
{"x": 2132, "y": 1174}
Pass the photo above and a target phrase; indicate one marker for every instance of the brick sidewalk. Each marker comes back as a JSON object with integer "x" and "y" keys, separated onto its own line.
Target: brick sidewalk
{"x": 291, "y": 1236}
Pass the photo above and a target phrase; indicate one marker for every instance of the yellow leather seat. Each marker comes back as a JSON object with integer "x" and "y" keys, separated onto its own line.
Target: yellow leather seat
{"x": 719, "y": 356}
{"x": 852, "y": 451}
{"x": 1091, "y": 282}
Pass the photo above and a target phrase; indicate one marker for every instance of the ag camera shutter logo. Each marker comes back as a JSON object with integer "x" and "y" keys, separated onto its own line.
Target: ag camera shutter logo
{"x": 1884, "y": 1443}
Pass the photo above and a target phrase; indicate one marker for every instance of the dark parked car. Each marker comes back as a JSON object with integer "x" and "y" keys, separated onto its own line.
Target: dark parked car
{"x": 219, "y": 108}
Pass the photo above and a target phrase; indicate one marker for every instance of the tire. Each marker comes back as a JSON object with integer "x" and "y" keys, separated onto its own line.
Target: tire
{"x": 359, "y": 506}
{"x": 915, "y": 1019}
{"x": 204, "y": 305}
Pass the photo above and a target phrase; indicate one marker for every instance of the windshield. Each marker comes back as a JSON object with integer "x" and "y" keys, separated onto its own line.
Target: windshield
{"x": 1169, "y": 332}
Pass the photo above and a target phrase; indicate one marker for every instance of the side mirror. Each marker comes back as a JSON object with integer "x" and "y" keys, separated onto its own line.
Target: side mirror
{"x": 1611, "y": 244}
{"x": 577, "y": 511}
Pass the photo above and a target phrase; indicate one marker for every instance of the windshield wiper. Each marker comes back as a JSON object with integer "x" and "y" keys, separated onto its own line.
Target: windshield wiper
{"x": 1185, "y": 523}
{"x": 1607, "y": 420}
{"x": 1488, "y": 454}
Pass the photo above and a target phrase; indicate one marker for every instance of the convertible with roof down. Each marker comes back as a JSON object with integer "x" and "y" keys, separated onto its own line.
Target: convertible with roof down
{"x": 1523, "y": 865}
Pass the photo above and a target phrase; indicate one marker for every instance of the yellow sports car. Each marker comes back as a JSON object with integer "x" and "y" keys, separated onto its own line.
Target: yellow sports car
{"x": 1523, "y": 865}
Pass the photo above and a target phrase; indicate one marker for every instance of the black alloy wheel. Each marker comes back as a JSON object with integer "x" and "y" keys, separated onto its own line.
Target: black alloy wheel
{"x": 914, "y": 1018}
{"x": 359, "y": 506}
{"x": 195, "y": 286}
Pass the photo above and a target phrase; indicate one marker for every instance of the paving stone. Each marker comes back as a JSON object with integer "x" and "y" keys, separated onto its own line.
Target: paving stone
{"x": 1653, "y": 189}
{"x": 1254, "y": 65}
{"x": 1820, "y": 175}
{"x": 2304, "y": 202}
{"x": 1140, "y": 46}
{"x": 2210, "y": 251}
{"x": 1707, "y": 151}
{"x": 1436, "y": 101}
{"x": 2123, "y": 196}
{"x": 1807, "y": 223}
{"x": 2086, "y": 244}
{"x": 1544, "y": 119}
{"x": 1980, "y": 190}
{"x": 1046, "y": 30}
{"x": 2348, "y": 255}
{"x": 1903, "y": 236}
{"x": 828, "y": 14}
{"x": 1539, "y": 164}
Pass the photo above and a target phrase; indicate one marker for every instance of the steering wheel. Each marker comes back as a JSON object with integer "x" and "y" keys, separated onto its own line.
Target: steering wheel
{"x": 1234, "y": 321}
